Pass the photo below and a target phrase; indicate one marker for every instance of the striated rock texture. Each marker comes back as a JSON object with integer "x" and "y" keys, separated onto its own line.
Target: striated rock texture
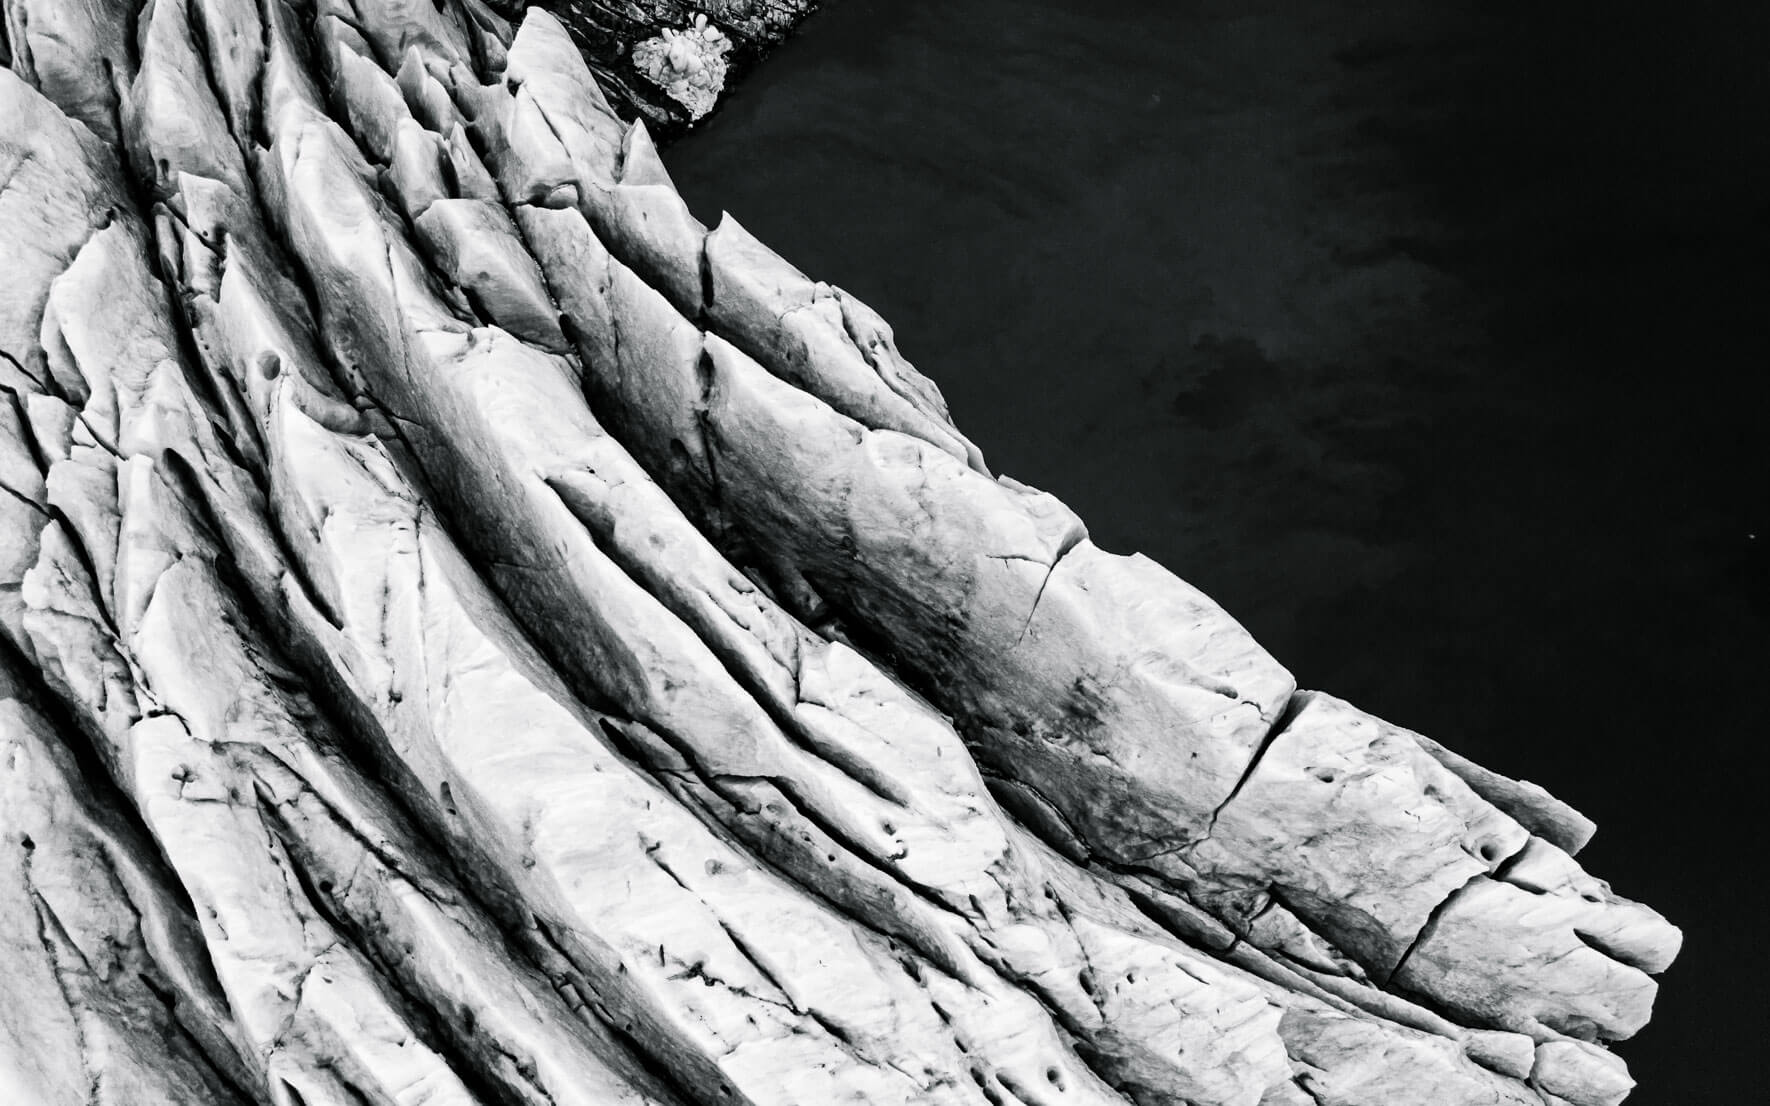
{"x": 471, "y": 634}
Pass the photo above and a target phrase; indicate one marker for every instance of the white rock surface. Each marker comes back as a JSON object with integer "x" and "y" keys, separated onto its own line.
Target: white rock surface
{"x": 688, "y": 63}
{"x": 472, "y": 634}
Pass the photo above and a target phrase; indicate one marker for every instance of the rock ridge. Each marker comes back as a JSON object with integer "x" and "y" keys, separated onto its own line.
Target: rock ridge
{"x": 471, "y": 633}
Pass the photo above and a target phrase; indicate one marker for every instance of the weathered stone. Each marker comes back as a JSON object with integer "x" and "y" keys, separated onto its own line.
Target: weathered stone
{"x": 820, "y": 340}
{"x": 688, "y": 63}
{"x": 670, "y": 61}
{"x": 472, "y": 634}
{"x": 473, "y": 244}
{"x": 77, "y": 52}
{"x": 1580, "y": 1072}
{"x": 1350, "y": 823}
{"x": 1492, "y": 933}
{"x": 103, "y": 963}
{"x": 1534, "y": 808}
{"x": 827, "y": 689}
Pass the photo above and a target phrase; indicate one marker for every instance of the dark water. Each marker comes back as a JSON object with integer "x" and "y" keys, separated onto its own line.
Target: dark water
{"x": 1430, "y": 339}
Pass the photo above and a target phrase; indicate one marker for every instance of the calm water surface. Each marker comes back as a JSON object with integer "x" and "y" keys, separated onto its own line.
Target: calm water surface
{"x": 1430, "y": 339}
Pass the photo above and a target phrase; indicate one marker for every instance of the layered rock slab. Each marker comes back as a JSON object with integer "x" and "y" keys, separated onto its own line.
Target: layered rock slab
{"x": 529, "y": 513}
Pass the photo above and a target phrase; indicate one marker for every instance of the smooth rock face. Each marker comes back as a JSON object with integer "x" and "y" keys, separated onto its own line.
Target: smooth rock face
{"x": 473, "y": 634}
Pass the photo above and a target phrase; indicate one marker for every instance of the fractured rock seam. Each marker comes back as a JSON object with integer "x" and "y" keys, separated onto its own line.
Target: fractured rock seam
{"x": 1611, "y": 931}
{"x": 582, "y": 329}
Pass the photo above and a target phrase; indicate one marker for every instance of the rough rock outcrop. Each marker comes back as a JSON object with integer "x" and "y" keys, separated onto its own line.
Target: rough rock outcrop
{"x": 667, "y": 61}
{"x": 469, "y": 633}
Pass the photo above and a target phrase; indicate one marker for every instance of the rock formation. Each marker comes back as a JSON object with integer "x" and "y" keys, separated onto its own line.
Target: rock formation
{"x": 471, "y": 634}
{"x": 688, "y": 64}
{"x": 670, "y": 61}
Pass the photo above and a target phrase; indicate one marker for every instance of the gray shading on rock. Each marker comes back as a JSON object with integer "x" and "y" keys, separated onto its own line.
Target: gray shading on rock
{"x": 469, "y": 633}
